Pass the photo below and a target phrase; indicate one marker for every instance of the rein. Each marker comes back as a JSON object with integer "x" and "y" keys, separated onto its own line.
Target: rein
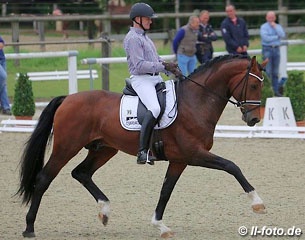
{"x": 239, "y": 104}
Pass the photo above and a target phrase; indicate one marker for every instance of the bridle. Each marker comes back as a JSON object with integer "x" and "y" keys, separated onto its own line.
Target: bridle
{"x": 243, "y": 92}
{"x": 244, "y": 80}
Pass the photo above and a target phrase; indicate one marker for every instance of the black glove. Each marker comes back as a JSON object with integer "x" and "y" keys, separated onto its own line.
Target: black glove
{"x": 178, "y": 74}
{"x": 173, "y": 68}
{"x": 170, "y": 66}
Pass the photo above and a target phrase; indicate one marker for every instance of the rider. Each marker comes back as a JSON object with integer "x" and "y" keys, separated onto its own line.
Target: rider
{"x": 145, "y": 66}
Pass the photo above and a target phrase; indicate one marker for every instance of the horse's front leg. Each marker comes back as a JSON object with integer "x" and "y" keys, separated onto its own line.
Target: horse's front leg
{"x": 173, "y": 173}
{"x": 219, "y": 163}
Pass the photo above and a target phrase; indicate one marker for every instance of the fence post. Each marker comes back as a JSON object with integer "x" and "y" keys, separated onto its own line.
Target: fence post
{"x": 72, "y": 69}
{"x": 41, "y": 35}
{"x": 106, "y": 48}
{"x": 15, "y": 39}
{"x": 283, "y": 63}
{"x": 283, "y": 18}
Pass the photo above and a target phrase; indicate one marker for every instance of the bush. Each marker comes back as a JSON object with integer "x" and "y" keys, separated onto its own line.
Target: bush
{"x": 23, "y": 104}
{"x": 295, "y": 90}
{"x": 267, "y": 91}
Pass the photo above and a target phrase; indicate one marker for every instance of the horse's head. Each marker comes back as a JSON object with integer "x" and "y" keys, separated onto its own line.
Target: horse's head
{"x": 247, "y": 91}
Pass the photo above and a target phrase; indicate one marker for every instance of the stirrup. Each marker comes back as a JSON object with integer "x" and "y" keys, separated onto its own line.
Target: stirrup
{"x": 144, "y": 157}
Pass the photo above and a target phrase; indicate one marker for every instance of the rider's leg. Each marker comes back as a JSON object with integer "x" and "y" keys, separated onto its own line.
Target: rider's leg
{"x": 145, "y": 88}
{"x": 148, "y": 124}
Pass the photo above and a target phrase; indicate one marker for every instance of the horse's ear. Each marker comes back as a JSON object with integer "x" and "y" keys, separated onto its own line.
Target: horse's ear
{"x": 253, "y": 62}
{"x": 264, "y": 63}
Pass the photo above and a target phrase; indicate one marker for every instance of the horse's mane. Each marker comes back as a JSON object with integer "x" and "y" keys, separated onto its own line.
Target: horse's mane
{"x": 216, "y": 60}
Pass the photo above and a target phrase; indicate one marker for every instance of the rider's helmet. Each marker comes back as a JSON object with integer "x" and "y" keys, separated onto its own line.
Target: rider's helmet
{"x": 141, "y": 10}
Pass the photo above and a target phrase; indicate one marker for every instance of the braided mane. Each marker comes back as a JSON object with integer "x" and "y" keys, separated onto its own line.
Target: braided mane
{"x": 216, "y": 60}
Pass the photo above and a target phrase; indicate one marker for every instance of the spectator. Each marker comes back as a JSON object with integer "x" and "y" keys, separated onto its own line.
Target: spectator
{"x": 5, "y": 104}
{"x": 184, "y": 46}
{"x": 234, "y": 32}
{"x": 61, "y": 26}
{"x": 206, "y": 35}
{"x": 271, "y": 34}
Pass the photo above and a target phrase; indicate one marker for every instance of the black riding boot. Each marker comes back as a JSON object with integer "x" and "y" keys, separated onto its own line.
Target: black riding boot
{"x": 145, "y": 134}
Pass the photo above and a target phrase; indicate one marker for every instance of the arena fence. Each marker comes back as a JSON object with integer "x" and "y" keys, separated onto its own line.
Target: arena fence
{"x": 221, "y": 131}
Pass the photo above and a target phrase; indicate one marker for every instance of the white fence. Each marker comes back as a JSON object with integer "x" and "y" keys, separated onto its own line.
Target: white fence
{"x": 259, "y": 132}
{"x": 284, "y": 65}
{"x": 72, "y": 63}
{"x": 223, "y": 131}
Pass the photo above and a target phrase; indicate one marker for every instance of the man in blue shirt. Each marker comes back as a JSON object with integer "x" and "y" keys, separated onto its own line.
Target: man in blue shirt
{"x": 5, "y": 104}
{"x": 271, "y": 34}
{"x": 234, "y": 32}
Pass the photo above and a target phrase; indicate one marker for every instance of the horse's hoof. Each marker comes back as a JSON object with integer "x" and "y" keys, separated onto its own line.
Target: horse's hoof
{"x": 259, "y": 208}
{"x": 104, "y": 218}
{"x": 28, "y": 234}
{"x": 169, "y": 234}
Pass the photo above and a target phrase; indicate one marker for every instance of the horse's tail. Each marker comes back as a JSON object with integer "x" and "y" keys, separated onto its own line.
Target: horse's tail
{"x": 32, "y": 159}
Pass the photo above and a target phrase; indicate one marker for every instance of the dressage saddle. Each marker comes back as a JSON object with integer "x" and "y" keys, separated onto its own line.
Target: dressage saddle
{"x": 141, "y": 110}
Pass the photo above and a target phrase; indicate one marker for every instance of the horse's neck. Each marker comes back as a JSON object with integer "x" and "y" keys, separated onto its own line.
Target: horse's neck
{"x": 203, "y": 101}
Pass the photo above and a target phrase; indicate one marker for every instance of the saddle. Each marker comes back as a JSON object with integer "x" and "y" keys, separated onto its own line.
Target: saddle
{"x": 141, "y": 109}
{"x": 132, "y": 112}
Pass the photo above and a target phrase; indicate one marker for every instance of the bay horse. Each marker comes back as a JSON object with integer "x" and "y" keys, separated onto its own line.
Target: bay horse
{"x": 94, "y": 124}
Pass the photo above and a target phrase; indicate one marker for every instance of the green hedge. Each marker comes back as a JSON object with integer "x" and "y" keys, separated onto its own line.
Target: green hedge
{"x": 295, "y": 90}
{"x": 23, "y": 104}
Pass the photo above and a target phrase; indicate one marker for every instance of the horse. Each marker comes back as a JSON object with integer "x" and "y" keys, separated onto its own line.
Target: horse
{"x": 201, "y": 99}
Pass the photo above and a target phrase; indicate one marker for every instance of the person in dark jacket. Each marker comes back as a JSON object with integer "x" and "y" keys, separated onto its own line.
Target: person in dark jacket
{"x": 206, "y": 35}
{"x": 234, "y": 32}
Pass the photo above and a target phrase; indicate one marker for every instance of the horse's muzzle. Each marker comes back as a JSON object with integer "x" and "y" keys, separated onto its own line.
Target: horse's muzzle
{"x": 253, "y": 122}
{"x": 249, "y": 119}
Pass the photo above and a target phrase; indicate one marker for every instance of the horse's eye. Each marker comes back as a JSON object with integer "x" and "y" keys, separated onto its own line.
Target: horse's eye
{"x": 253, "y": 86}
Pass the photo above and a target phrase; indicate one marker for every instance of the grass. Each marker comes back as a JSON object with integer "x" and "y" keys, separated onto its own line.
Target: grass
{"x": 118, "y": 72}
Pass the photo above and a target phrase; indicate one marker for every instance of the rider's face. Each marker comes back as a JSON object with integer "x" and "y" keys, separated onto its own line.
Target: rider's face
{"x": 146, "y": 21}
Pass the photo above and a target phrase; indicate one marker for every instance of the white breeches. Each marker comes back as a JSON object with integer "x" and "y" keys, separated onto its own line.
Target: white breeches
{"x": 144, "y": 85}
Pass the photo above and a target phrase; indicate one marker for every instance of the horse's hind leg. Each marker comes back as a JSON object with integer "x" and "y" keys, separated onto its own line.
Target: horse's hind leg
{"x": 219, "y": 163}
{"x": 42, "y": 183}
{"x": 84, "y": 171}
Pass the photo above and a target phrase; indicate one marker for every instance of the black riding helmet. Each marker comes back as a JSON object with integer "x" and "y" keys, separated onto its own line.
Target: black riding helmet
{"x": 141, "y": 10}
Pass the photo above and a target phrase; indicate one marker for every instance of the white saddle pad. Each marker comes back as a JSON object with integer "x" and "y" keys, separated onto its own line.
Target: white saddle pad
{"x": 129, "y": 105}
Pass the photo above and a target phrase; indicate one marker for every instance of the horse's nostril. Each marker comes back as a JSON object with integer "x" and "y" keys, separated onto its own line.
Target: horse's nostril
{"x": 253, "y": 121}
